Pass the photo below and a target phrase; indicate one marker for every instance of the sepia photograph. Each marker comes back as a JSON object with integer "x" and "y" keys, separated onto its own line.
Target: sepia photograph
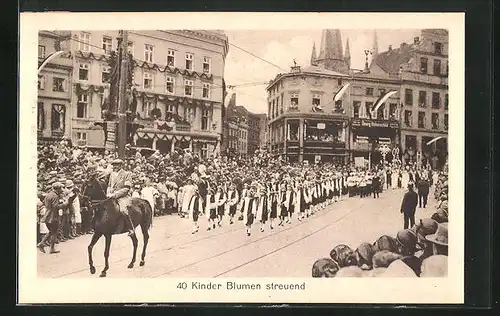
{"x": 221, "y": 157}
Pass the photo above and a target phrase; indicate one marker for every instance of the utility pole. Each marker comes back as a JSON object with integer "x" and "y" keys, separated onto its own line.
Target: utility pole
{"x": 122, "y": 93}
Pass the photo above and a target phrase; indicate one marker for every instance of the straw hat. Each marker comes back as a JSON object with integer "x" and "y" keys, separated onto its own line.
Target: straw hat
{"x": 440, "y": 237}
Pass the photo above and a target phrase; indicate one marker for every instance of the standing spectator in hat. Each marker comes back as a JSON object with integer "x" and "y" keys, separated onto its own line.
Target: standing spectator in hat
{"x": 423, "y": 192}
{"x": 408, "y": 206}
{"x": 53, "y": 203}
{"x": 74, "y": 209}
{"x": 376, "y": 185}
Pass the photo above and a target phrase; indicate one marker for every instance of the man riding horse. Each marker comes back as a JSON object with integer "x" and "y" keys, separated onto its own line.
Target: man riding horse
{"x": 120, "y": 183}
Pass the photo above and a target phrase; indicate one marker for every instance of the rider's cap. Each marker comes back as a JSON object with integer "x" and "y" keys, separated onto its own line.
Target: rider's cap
{"x": 117, "y": 162}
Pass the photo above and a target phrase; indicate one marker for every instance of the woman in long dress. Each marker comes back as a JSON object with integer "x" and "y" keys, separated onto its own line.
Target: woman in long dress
{"x": 406, "y": 179}
{"x": 394, "y": 178}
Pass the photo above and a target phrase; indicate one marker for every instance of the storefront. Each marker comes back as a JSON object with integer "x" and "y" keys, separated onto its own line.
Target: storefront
{"x": 374, "y": 140}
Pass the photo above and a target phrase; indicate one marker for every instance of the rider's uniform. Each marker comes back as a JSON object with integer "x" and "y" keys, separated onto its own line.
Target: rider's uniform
{"x": 119, "y": 186}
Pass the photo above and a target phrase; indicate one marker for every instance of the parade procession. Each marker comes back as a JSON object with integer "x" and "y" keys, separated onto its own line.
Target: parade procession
{"x": 153, "y": 147}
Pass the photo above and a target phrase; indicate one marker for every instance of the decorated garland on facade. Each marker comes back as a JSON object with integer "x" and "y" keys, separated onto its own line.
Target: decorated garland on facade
{"x": 145, "y": 65}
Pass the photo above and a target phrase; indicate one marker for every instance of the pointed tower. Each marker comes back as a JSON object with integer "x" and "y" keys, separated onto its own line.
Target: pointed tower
{"x": 375, "y": 45}
{"x": 330, "y": 54}
{"x": 347, "y": 54}
{"x": 313, "y": 55}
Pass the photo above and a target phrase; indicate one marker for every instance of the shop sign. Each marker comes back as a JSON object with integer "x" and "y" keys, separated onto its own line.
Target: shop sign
{"x": 374, "y": 123}
{"x": 111, "y": 135}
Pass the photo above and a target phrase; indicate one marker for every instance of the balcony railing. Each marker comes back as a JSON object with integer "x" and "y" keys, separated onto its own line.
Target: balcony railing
{"x": 151, "y": 124}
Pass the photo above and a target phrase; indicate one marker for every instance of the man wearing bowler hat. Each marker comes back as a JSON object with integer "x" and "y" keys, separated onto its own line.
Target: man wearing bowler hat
{"x": 408, "y": 206}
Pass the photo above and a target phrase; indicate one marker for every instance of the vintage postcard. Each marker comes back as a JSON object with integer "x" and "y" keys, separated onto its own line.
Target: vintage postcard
{"x": 241, "y": 158}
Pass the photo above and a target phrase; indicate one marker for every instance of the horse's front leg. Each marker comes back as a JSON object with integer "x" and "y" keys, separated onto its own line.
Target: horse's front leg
{"x": 134, "y": 243}
{"x": 106, "y": 255}
{"x": 94, "y": 240}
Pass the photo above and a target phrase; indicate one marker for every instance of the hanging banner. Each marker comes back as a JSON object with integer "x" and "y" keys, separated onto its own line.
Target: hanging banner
{"x": 111, "y": 135}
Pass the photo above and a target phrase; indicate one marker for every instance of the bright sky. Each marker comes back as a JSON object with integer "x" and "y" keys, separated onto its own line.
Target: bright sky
{"x": 281, "y": 47}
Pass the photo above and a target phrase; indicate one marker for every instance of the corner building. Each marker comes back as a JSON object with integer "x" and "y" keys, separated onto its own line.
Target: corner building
{"x": 177, "y": 85}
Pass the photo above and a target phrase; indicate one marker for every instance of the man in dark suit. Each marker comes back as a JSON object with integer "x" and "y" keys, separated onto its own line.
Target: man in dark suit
{"x": 376, "y": 185}
{"x": 408, "y": 206}
{"x": 423, "y": 192}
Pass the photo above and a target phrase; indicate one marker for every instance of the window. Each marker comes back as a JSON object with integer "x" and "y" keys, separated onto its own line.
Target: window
{"x": 147, "y": 106}
{"x": 438, "y": 48}
{"x": 421, "y": 119}
{"x": 356, "y": 106}
{"x": 148, "y": 81}
{"x": 170, "y": 85}
{"x": 206, "y": 65}
{"x": 294, "y": 100}
{"x": 368, "y": 109}
{"x": 58, "y": 118}
{"x": 204, "y": 119}
{"x": 83, "y": 72}
{"x": 130, "y": 48}
{"x": 437, "y": 67}
{"x": 339, "y": 82}
{"x": 81, "y": 136}
{"x": 408, "y": 118}
{"x": 435, "y": 120}
{"x": 369, "y": 91}
{"x": 148, "y": 53}
{"x": 41, "y": 117}
{"x": 446, "y": 121}
{"x": 41, "y": 82}
{"x": 58, "y": 84}
{"x": 189, "y": 61}
{"x": 188, "y": 88}
{"x": 408, "y": 97}
{"x": 393, "y": 108}
{"x": 446, "y": 101}
{"x": 170, "y": 108}
{"x": 422, "y": 99}
{"x": 204, "y": 151}
{"x": 206, "y": 91}
{"x": 381, "y": 112}
{"x": 41, "y": 51}
{"x": 105, "y": 71}
{"x": 107, "y": 44}
{"x": 436, "y": 100}
{"x": 84, "y": 43}
{"x": 171, "y": 58}
{"x": 381, "y": 92}
{"x": 447, "y": 68}
{"x": 423, "y": 65}
{"x": 316, "y": 100}
{"x": 82, "y": 105}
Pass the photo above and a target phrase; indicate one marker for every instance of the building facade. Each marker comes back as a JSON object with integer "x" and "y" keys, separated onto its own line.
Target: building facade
{"x": 236, "y": 128}
{"x": 253, "y": 133}
{"x": 263, "y": 135}
{"x": 54, "y": 88}
{"x": 391, "y": 109}
{"x": 177, "y": 87}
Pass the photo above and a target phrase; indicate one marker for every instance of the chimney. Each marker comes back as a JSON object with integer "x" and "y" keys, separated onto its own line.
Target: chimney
{"x": 416, "y": 40}
{"x": 390, "y": 47}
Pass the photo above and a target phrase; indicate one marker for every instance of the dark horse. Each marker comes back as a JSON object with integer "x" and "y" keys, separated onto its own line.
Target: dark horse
{"x": 109, "y": 221}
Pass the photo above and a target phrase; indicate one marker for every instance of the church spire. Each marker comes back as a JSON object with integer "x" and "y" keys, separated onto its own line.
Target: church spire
{"x": 313, "y": 55}
{"x": 331, "y": 45}
{"x": 347, "y": 54}
{"x": 375, "y": 44}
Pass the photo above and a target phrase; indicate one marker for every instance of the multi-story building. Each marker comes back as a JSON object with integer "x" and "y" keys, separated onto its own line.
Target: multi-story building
{"x": 235, "y": 130}
{"x": 178, "y": 86}
{"x": 424, "y": 96}
{"x": 329, "y": 110}
{"x": 263, "y": 137}
{"x": 54, "y": 87}
{"x": 253, "y": 133}
{"x": 304, "y": 121}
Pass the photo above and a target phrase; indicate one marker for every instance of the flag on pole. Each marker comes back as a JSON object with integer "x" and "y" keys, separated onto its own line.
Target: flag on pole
{"x": 49, "y": 58}
{"x": 434, "y": 140}
{"x": 340, "y": 93}
{"x": 382, "y": 99}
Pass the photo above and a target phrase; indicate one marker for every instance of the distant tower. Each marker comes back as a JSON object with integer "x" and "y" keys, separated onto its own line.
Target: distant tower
{"x": 313, "y": 55}
{"x": 330, "y": 54}
{"x": 375, "y": 45}
{"x": 347, "y": 55}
